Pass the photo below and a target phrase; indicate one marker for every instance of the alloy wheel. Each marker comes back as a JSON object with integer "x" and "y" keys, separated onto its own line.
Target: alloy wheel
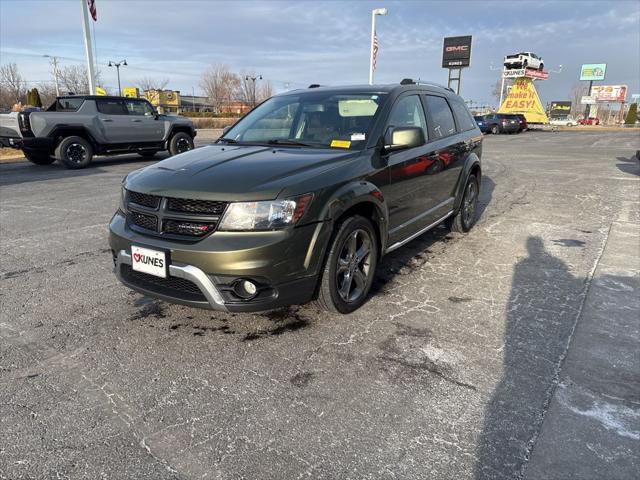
{"x": 182, "y": 145}
{"x": 77, "y": 153}
{"x": 470, "y": 203}
{"x": 354, "y": 265}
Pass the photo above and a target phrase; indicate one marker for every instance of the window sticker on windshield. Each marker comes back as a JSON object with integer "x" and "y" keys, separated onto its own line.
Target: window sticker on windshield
{"x": 340, "y": 143}
{"x": 357, "y": 136}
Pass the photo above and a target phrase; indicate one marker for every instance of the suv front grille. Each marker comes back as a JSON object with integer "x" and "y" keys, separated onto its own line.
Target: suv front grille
{"x": 176, "y": 218}
{"x": 171, "y": 286}
{"x": 151, "y": 201}
{"x": 148, "y": 222}
{"x": 207, "y": 207}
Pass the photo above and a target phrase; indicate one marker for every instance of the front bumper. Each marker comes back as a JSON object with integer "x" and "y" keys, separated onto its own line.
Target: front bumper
{"x": 284, "y": 264}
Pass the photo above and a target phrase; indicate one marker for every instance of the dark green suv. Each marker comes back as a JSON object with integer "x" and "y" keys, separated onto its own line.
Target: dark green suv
{"x": 300, "y": 199}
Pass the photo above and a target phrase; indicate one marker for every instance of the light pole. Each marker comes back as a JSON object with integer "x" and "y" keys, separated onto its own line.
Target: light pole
{"x": 54, "y": 63}
{"x": 374, "y": 13}
{"x": 492, "y": 68}
{"x": 253, "y": 88}
{"x": 117, "y": 65}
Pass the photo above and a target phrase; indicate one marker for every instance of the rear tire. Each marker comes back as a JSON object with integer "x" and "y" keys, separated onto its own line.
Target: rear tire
{"x": 541, "y": 67}
{"x": 350, "y": 266}
{"x": 465, "y": 217}
{"x": 74, "y": 152}
{"x": 181, "y": 142}
{"x": 39, "y": 158}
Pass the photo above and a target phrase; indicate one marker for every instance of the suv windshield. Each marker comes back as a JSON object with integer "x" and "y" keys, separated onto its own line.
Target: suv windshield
{"x": 318, "y": 119}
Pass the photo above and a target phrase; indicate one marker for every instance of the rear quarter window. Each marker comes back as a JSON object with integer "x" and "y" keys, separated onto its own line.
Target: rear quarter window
{"x": 442, "y": 123}
{"x": 66, "y": 105}
{"x": 112, "y": 107}
{"x": 463, "y": 116}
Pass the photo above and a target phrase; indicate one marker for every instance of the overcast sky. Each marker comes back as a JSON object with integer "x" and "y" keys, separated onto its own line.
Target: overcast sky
{"x": 307, "y": 42}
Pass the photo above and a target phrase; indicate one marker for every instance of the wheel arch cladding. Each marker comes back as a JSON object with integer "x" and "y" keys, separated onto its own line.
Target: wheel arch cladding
{"x": 472, "y": 167}
{"x": 61, "y": 133}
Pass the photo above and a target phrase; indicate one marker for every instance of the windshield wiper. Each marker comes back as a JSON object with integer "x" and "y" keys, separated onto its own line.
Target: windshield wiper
{"x": 228, "y": 140}
{"x": 284, "y": 141}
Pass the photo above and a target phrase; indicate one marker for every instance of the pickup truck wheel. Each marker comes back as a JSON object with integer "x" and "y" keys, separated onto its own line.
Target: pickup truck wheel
{"x": 541, "y": 66}
{"x": 181, "y": 142}
{"x": 74, "y": 152}
{"x": 495, "y": 129}
{"x": 350, "y": 266}
{"x": 148, "y": 154}
{"x": 39, "y": 158}
{"x": 465, "y": 217}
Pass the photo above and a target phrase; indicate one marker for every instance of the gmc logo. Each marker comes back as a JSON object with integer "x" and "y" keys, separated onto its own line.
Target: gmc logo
{"x": 461, "y": 48}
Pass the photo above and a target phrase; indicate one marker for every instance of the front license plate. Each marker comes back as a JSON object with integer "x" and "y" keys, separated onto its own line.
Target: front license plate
{"x": 153, "y": 262}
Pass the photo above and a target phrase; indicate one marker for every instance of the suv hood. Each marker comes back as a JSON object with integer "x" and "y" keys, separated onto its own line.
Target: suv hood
{"x": 234, "y": 173}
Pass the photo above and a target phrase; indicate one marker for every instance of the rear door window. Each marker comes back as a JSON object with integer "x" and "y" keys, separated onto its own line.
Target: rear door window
{"x": 442, "y": 122}
{"x": 465, "y": 121}
{"x": 111, "y": 107}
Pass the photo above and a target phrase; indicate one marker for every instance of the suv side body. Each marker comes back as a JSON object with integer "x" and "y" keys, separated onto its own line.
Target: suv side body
{"x": 388, "y": 192}
{"x": 104, "y": 125}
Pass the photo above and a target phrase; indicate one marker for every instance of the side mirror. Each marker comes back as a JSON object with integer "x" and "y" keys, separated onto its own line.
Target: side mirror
{"x": 225, "y": 130}
{"x": 401, "y": 138}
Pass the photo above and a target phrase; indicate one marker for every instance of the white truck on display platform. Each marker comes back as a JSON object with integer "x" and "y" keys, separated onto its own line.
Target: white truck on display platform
{"x": 523, "y": 60}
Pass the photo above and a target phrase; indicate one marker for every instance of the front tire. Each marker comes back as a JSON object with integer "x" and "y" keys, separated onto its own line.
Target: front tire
{"x": 74, "y": 152}
{"x": 465, "y": 217}
{"x": 39, "y": 158}
{"x": 349, "y": 268}
{"x": 181, "y": 142}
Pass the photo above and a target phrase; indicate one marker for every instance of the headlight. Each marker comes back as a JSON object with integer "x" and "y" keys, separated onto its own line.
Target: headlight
{"x": 269, "y": 215}
{"x": 123, "y": 199}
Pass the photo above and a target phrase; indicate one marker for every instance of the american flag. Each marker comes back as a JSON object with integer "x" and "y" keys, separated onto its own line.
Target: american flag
{"x": 375, "y": 50}
{"x": 92, "y": 9}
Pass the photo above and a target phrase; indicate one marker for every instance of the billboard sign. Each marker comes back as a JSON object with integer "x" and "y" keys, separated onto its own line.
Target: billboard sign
{"x": 559, "y": 109}
{"x": 525, "y": 72}
{"x": 523, "y": 98}
{"x": 609, "y": 93}
{"x": 593, "y": 71}
{"x": 131, "y": 92}
{"x": 456, "y": 52}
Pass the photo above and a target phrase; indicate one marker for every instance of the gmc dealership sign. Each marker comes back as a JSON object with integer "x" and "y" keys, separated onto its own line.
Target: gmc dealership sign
{"x": 456, "y": 52}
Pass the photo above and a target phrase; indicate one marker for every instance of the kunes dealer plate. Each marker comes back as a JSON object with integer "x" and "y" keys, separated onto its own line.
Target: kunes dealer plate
{"x": 149, "y": 261}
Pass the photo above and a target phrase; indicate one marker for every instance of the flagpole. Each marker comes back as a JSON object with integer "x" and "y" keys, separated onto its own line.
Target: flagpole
{"x": 87, "y": 48}
{"x": 373, "y": 34}
{"x": 377, "y": 11}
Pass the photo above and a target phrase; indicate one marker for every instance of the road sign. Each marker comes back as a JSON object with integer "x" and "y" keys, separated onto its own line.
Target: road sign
{"x": 587, "y": 100}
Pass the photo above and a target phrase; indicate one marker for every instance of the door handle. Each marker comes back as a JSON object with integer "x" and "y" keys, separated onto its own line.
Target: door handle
{"x": 137, "y": 121}
{"x": 106, "y": 120}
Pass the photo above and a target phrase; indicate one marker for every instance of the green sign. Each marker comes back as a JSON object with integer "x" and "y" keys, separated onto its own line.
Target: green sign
{"x": 593, "y": 71}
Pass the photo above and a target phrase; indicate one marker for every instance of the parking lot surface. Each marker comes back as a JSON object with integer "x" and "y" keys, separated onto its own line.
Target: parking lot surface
{"x": 510, "y": 352}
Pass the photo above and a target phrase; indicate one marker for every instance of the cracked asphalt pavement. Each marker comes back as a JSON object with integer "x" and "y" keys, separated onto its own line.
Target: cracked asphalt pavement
{"x": 470, "y": 356}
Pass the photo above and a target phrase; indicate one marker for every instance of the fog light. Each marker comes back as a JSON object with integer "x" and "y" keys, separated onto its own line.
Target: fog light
{"x": 245, "y": 289}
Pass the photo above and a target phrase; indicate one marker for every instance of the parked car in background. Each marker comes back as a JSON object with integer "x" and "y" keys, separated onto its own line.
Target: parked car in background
{"x": 522, "y": 121}
{"x": 567, "y": 121}
{"x": 482, "y": 124}
{"x": 524, "y": 60}
{"x": 75, "y": 128}
{"x": 502, "y": 123}
{"x": 589, "y": 121}
{"x": 300, "y": 199}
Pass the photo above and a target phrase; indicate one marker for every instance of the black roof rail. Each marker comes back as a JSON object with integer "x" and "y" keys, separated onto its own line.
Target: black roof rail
{"x": 314, "y": 85}
{"x": 407, "y": 81}
{"x": 410, "y": 81}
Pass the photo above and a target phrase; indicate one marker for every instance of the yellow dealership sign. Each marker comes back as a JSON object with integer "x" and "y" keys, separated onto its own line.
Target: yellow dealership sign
{"x": 523, "y": 98}
{"x": 101, "y": 91}
{"x": 131, "y": 92}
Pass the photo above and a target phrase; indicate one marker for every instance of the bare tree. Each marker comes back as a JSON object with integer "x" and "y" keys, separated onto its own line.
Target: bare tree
{"x": 12, "y": 85}
{"x": 265, "y": 90}
{"x": 47, "y": 93}
{"x": 74, "y": 79}
{"x": 578, "y": 90}
{"x": 220, "y": 85}
{"x": 148, "y": 83}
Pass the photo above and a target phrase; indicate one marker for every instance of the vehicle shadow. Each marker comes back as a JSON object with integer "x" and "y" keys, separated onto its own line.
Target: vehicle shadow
{"x": 543, "y": 304}
{"x": 26, "y": 172}
{"x": 416, "y": 253}
{"x": 629, "y": 165}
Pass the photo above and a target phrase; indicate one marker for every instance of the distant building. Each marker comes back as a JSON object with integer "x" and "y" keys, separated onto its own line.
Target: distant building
{"x": 237, "y": 108}
{"x": 191, "y": 103}
{"x": 169, "y": 100}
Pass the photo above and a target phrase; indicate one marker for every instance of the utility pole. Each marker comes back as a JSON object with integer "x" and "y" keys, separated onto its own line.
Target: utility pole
{"x": 587, "y": 109}
{"x": 117, "y": 65}
{"x": 253, "y": 88}
{"x": 193, "y": 99}
{"x": 54, "y": 63}
{"x": 87, "y": 48}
